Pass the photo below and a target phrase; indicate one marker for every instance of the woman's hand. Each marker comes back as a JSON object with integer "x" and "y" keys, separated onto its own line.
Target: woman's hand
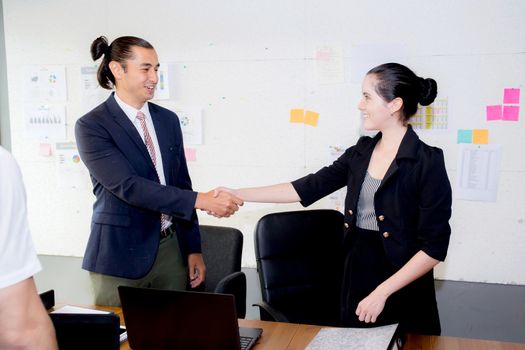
{"x": 370, "y": 307}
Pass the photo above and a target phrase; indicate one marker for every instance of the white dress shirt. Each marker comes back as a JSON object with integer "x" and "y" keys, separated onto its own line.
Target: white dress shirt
{"x": 131, "y": 113}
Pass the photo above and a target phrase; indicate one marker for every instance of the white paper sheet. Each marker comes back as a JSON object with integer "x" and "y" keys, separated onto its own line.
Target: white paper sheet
{"x": 91, "y": 93}
{"x": 191, "y": 124}
{"x": 69, "y": 309}
{"x": 162, "y": 90}
{"x": 46, "y": 83}
{"x": 478, "y": 172}
{"x": 330, "y": 65}
{"x": 45, "y": 122}
{"x": 71, "y": 172}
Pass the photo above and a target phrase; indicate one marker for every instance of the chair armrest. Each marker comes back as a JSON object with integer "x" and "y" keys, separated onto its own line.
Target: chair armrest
{"x": 234, "y": 284}
{"x": 269, "y": 313}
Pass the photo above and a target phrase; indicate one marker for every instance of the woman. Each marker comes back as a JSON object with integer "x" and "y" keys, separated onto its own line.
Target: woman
{"x": 397, "y": 207}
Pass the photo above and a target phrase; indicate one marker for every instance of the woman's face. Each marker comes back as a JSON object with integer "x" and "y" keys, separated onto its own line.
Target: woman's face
{"x": 377, "y": 113}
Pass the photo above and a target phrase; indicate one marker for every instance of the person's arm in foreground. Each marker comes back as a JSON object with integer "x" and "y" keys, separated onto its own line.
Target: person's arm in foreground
{"x": 24, "y": 323}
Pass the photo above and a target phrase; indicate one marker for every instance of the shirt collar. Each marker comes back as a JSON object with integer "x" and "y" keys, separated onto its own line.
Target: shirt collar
{"x": 130, "y": 111}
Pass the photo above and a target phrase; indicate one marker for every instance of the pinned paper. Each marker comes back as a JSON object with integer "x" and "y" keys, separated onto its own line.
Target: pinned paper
{"x": 494, "y": 112}
{"x": 44, "y": 150}
{"x": 511, "y": 96}
{"x": 433, "y": 117}
{"x": 190, "y": 154}
{"x": 464, "y": 136}
{"x": 511, "y": 113}
{"x": 480, "y": 136}
{"x": 162, "y": 89}
{"x": 311, "y": 118}
{"x": 297, "y": 116}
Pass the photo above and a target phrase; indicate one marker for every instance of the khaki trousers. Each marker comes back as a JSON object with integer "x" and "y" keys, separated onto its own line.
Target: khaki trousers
{"x": 168, "y": 272}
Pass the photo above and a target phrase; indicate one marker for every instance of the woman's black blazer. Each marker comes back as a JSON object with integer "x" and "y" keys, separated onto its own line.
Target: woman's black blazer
{"x": 412, "y": 204}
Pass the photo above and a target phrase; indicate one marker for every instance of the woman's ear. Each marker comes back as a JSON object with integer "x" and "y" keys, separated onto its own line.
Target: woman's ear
{"x": 395, "y": 105}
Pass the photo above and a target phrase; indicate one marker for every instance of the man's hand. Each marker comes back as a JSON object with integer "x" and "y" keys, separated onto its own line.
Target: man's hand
{"x": 221, "y": 205}
{"x": 196, "y": 269}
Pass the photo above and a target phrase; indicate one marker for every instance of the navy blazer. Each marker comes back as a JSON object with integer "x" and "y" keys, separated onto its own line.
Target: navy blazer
{"x": 125, "y": 227}
{"x": 413, "y": 204}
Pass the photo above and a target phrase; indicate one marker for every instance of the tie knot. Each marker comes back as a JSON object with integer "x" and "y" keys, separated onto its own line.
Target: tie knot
{"x": 141, "y": 116}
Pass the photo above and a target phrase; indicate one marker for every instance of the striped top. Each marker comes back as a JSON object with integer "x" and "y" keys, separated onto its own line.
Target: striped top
{"x": 366, "y": 215}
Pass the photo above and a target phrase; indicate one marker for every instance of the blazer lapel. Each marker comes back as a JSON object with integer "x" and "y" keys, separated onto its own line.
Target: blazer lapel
{"x": 165, "y": 139}
{"x": 359, "y": 166}
{"x": 407, "y": 149}
{"x": 122, "y": 119}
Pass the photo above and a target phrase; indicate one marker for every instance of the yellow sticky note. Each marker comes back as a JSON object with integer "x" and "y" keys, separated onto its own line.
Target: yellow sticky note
{"x": 480, "y": 136}
{"x": 297, "y": 116}
{"x": 311, "y": 118}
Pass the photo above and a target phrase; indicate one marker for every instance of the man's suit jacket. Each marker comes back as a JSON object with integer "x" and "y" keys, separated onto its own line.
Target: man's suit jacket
{"x": 125, "y": 227}
{"x": 413, "y": 204}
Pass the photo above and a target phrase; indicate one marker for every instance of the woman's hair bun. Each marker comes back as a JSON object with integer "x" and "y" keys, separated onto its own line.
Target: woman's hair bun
{"x": 428, "y": 91}
{"x": 99, "y": 47}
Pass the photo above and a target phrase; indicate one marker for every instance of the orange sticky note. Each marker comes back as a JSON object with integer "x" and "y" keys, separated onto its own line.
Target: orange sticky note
{"x": 297, "y": 116}
{"x": 311, "y": 118}
{"x": 480, "y": 136}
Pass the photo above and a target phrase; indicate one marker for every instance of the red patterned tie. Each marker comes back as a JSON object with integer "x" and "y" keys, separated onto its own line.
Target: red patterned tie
{"x": 164, "y": 219}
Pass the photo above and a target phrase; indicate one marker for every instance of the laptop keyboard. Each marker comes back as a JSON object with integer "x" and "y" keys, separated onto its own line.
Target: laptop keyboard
{"x": 245, "y": 342}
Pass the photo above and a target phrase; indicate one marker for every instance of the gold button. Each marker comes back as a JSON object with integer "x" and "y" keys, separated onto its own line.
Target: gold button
{"x": 386, "y": 234}
{"x": 350, "y": 212}
{"x": 381, "y": 218}
{"x": 346, "y": 225}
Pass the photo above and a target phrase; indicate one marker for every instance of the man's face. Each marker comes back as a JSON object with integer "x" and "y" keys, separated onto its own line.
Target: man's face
{"x": 136, "y": 83}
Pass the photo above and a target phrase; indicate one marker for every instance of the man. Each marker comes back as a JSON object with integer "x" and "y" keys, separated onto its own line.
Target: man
{"x": 144, "y": 225}
{"x": 24, "y": 323}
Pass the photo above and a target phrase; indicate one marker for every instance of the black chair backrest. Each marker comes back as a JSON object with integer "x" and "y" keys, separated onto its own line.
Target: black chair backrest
{"x": 222, "y": 252}
{"x": 300, "y": 261}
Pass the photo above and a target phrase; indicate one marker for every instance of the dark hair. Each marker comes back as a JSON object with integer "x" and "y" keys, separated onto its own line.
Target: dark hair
{"x": 396, "y": 80}
{"x": 120, "y": 50}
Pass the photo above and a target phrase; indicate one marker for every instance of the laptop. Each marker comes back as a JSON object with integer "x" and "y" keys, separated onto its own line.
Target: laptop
{"x": 169, "y": 319}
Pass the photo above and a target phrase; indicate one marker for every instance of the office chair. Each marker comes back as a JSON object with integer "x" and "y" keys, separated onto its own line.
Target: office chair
{"x": 300, "y": 261}
{"x": 222, "y": 251}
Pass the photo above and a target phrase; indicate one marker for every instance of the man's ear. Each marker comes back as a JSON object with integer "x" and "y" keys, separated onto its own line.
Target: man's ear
{"x": 116, "y": 69}
{"x": 395, "y": 105}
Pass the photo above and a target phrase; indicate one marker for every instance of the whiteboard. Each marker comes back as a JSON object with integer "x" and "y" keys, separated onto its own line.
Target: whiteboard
{"x": 248, "y": 63}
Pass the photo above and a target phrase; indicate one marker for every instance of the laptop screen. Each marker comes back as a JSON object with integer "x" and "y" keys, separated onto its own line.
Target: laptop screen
{"x": 167, "y": 319}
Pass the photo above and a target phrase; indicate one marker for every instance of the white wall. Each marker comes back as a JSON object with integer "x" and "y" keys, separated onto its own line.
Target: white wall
{"x": 247, "y": 63}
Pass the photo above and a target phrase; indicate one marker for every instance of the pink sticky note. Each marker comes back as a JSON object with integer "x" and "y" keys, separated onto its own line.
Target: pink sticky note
{"x": 45, "y": 150}
{"x": 511, "y": 113}
{"x": 494, "y": 112}
{"x": 511, "y": 96}
{"x": 191, "y": 154}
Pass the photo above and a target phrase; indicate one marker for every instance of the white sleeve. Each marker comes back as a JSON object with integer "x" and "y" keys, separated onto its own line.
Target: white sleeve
{"x": 18, "y": 259}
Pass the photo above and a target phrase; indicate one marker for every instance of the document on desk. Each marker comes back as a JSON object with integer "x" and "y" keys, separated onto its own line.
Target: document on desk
{"x": 69, "y": 309}
{"x": 377, "y": 338}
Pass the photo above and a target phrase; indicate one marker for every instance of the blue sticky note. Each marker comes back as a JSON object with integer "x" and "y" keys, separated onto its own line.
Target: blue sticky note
{"x": 464, "y": 136}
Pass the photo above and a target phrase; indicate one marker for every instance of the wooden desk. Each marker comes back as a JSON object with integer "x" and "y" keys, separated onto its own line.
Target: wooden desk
{"x": 289, "y": 336}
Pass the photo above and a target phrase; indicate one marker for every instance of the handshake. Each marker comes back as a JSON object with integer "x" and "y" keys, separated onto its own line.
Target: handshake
{"x": 221, "y": 202}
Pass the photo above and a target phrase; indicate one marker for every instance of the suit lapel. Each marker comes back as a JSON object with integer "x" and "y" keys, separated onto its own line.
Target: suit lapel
{"x": 122, "y": 119}
{"x": 162, "y": 130}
